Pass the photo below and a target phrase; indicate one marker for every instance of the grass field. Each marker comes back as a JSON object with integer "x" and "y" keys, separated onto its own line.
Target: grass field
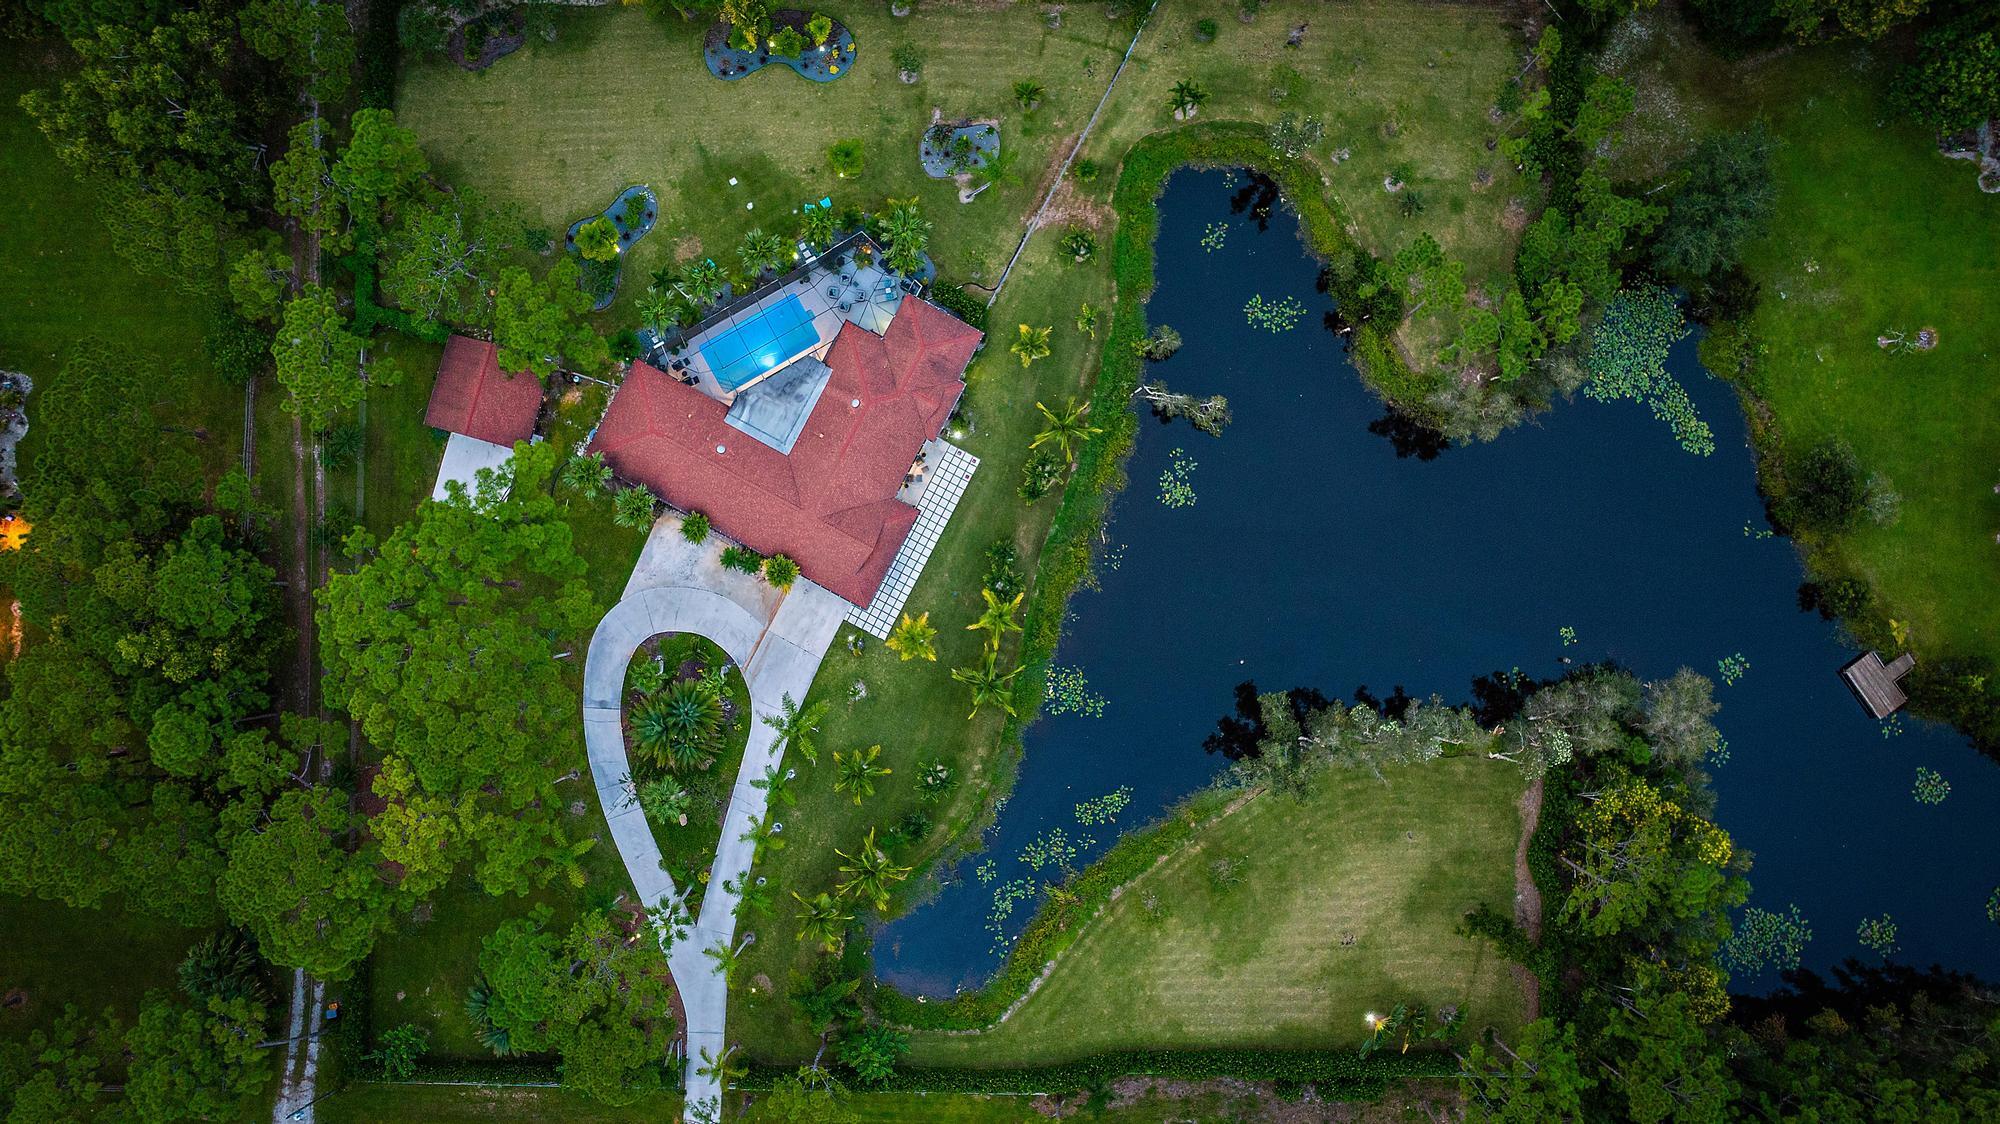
{"x": 1874, "y": 233}
{"x": 94, "y": 958}
{"x": 1341, "y": 905}
{"x": 622, "y": 97}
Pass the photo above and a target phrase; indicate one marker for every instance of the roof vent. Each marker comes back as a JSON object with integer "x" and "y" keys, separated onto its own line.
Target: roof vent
{"x": 722, "y": 448}
{"x": 856, "y": 403}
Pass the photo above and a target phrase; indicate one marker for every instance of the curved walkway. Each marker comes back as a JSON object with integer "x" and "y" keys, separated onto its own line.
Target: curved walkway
{"x": 779, "y": 652}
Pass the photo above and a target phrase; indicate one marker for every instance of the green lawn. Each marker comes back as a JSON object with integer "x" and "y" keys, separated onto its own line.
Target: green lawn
{"x": 94, "y": 958}
{"x": 449, "y": 1104}
{"x": 61, "y": 280}
{"x": 622, "y": 97}
{"x": 401, "y": 452}
{"x": 1345, "y": 904}
{"x": 1874, "y": 232}
{"x": 1403, "y": 87}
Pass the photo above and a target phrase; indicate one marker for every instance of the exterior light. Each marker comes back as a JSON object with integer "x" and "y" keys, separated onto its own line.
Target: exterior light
{"x": 1370, "y": 1019}
{"x": 732, "y": 181}
{"x": 855, "y": 404}
{"x": 722, "y": 448}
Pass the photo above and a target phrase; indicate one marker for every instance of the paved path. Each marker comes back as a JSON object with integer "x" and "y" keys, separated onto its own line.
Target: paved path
{"x": 777, "y": 640}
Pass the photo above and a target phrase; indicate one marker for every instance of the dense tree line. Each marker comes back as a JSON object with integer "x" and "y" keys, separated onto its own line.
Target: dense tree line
{"x": 1639, "y": 884}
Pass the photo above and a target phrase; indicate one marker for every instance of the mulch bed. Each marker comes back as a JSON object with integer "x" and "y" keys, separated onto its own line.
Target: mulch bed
{"x": 819, "y": 64}
{"x": 499, "y": 42}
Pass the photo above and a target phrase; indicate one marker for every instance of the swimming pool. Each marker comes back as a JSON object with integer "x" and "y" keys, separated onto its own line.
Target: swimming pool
{"x": 760, "y": 344}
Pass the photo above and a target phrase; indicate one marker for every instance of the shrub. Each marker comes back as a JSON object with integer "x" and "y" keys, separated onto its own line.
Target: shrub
{"x": 780, "y": 571}
{"x": 935, "y": 780}
{"x": 1084, "y": 171}
{"x": 694, "y": 527}
{"x": 907, "y": 58}
{"x": 598, "y": 278}
{"x": 1079, "y": 244}
{"x": 1292, "y": 136}
{"x": 341, "y": 446}
{"x": 910, "y": 830}
{"x": 398, "y": 1049}
{"x": 820, "y": 27}
{"x": 872, "y": 1052}
{"x": 742, "y": 559}
{"x": 845, "y": 157}
{"x": 788, "y": 43}
{"x": 1205, "y": 31}
{"x": 1003, "y": 570}
{"x": 1040, "y": 474}
{"x": 1839, "y": 599}
{"x": 1825, "y": 489}
{"x": 238, "y": 349}
{"x": 955, "y": 300}
{"x": 597, "y": 240}
{"x": 625, "y": 345}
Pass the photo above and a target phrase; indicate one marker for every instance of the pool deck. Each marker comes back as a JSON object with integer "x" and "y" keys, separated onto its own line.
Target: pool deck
{"x": 825, "y": 288}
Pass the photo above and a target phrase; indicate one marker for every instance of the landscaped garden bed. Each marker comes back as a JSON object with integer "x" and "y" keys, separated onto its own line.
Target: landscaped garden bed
{"x": 601, "y": 239}
{"x": 958, "y": 148}
{"x": 687, "y": 719}
{"x": 815, "y": 46}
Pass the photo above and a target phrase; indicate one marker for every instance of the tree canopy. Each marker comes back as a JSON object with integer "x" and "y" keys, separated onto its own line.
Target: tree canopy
{"x": 539, "y": 326}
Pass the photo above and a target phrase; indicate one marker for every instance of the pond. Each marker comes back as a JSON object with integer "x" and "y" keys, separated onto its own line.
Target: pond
{"x": 1314, "y": 555}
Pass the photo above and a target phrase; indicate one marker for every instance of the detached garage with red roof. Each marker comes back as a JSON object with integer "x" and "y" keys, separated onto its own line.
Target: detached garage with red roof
{"x": 486, "y": 410}
{"x": 810, "y": 465}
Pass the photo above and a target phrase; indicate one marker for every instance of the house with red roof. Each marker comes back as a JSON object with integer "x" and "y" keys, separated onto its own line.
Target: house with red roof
{"x": 484, "y": 409}
{"x": 811, "y": 463}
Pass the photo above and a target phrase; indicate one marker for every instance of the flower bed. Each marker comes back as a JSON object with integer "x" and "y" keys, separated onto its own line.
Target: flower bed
{"x": 628, "y": 234}
{"x": 954, "y": 150}
{"x": 823, "y": 63}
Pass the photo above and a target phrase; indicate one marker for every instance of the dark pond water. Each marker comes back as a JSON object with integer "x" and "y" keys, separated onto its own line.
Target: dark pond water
{"x": 1315, "y": 556}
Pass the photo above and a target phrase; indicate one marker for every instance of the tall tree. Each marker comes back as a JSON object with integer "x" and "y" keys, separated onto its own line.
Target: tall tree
{"x": 1725, "y": 199}
{"x": 318, "y": 359}
{"x": 439, "y": 254}
{"x": 382, "y": 161}
{"x": 539, "y": 326}
{"x": 293, "y": 882}
{"x": 197, "y": 1064}
{"x": 311, "y": 40}
{"x": 444, "y": 645}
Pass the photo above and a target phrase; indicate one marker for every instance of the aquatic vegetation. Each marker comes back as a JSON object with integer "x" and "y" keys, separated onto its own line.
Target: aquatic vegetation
{"x": 1878, "y": 935}
{"x": 1070, "y": 693}
{"x": 1568, "y": 635}
{"x": 1763, "y": 939}
{"x": 1732, "y": 668}
{"x": 1104, "y": 809}
{"x": 1627, "y": 359}
{"x": 1930, "y": 786}
{"x": 1176, "y": 482}
{"x": 1214, "y": 235}
{"x": 1281, "y": 315}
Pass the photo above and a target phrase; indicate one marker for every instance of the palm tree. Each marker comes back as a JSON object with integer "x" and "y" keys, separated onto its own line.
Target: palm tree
{"x": 873, "y": 873}
{"x": 728, "y": 958}
{"x": 1086, "y": 320}
{"x": 597, "y": 239}
{"x": 1030, "y": 344}
{"x": 857, "y": 771}
{"x": 903, "y": 258}
{"x": 821, "y": 919}
{"x": 1029, "y": 93}
{"x": 586, "y": 473}
{"x": 701, "y": 281}
{"x": 989, "y": 686}
{"x": 905, "y": 225}
{"x": 760, "y": 251}
{"x": 997, "y": 620}
{"x": 658, "y": 309}
{"x": 914, "y": 638}
{"x": 777, "y": 788}
{"x": 817, "y": 227}
{"x": 679, "y": 726}
{"x": 479, "y": 1011}
{"x": 724, "y": 1068}
{"x": 1067, "y": 429}
{"x": 797, "y": 726}
{"x": 1187, "y": 99}
{"x": 634, "y": 507}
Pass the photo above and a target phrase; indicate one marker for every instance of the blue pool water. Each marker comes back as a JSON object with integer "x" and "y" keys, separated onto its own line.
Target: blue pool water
{"x": 760, "y": 344}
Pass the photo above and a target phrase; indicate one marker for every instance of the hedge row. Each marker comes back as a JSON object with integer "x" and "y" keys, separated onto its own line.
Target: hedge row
{"x": 1055, "y": 926}
{"x": 497, "y": 1071}
{"x": 1336, "y": 1075}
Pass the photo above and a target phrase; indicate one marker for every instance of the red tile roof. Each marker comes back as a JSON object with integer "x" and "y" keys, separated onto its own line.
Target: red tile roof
{"x": 831, "y": 504}
{"x": 474, "y": 397}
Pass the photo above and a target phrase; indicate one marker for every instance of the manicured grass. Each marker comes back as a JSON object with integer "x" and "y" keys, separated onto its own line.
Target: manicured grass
{"x": 94, "y": 958}
{"x": 622, "y": 98}
{"x": 1345, "y": 904}
{"x": 448, "y": 1104}
{"x": 1874, "y": 232}
{"x": 1403, "y": 87}
{"x": 913, "y": 709}
{"x": 402, "y": 452}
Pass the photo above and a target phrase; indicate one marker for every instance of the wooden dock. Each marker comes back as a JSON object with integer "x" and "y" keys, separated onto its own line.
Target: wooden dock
{"x": 1875, "y": 684}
